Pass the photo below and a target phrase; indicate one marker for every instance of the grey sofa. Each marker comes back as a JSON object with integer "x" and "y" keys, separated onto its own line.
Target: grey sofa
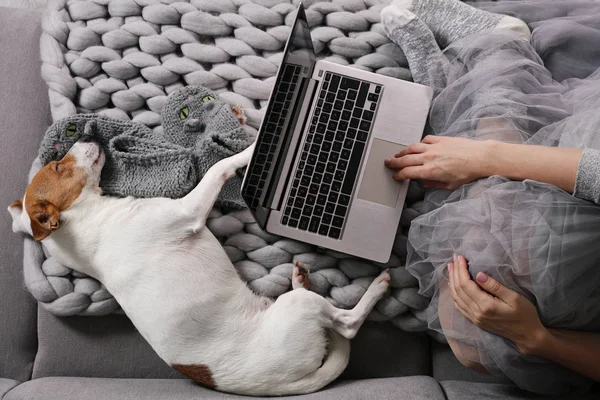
{"x": 46, "y": 357}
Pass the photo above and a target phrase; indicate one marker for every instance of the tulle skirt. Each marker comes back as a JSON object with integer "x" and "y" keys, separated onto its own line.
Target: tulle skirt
{"x": 534, "y": 238}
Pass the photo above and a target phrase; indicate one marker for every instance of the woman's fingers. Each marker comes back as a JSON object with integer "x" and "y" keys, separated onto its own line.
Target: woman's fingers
{"x": 416, "y": 172}
{"x": 431, "y": 139}
{"x": 409, "y": 160}
{"x": 415, "y": 148}
{"x": 465, "y": 306}
{"x": 494, "y": 287}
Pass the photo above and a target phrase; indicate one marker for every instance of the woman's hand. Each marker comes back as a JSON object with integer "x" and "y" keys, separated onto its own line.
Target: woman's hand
{"x": 442, "y": 162}
{"x": 495, "y": 308}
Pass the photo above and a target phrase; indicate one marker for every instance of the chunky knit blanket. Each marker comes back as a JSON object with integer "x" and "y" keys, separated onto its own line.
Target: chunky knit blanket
{"x": 121, "y": 58}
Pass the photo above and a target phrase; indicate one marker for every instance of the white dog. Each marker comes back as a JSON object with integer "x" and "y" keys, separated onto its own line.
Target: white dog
{"x": 175, "y": 282}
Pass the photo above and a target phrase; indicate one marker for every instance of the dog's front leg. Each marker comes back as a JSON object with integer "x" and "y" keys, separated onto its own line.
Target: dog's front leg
{"x": 201, "y": 200}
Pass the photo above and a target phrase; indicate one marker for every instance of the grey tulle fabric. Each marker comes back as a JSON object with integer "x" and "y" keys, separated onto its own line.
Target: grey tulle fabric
{"x": 534, "y": 238}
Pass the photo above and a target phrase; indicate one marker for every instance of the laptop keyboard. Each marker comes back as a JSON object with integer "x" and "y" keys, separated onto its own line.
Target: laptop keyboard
{"x": 267, "y": 143}
{"x": 331, "y": 156}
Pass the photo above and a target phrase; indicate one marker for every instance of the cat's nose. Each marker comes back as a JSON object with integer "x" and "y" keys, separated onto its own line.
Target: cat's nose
{"x": 194, "y": 125}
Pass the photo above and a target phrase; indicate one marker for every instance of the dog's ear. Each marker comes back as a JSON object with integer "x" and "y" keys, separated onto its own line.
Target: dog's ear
{"x": 15, "y": 210}
{"x": 44, "y": 219}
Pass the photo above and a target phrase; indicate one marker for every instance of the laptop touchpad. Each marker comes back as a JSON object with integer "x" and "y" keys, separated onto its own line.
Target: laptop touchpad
{"x": 377, "y": 185}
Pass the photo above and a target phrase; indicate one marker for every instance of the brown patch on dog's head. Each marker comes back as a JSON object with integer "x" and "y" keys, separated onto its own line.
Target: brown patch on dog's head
{"x": 53, "y": 189}
{"x": 199, "y": 373}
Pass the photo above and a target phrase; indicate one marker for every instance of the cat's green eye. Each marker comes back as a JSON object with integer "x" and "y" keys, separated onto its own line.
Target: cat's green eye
{"x": 208, "y": 98}
{"x": 71, "y": 130}
{"x": 184, "y": 113}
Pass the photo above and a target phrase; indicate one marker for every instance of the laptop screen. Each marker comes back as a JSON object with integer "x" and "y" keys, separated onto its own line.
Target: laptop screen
{"x": 273, "y": 136}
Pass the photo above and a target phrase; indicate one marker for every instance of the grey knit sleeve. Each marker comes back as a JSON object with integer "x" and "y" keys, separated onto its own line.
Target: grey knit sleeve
{"x": 587, "y": 184}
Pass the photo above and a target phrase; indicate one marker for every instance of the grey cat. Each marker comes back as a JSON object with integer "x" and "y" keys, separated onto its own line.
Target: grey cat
{"x": 199, "y": 130}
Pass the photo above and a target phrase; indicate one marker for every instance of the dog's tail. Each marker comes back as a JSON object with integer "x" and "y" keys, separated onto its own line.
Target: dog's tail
{"x": 334, "y": 364}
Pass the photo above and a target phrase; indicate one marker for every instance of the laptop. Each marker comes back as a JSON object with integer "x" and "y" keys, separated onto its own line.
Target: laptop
{"x": 317, "y": 174}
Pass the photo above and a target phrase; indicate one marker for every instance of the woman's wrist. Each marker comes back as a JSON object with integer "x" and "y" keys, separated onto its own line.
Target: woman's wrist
{"x": 536, "y": 343}
{"x": 490, "y": 163}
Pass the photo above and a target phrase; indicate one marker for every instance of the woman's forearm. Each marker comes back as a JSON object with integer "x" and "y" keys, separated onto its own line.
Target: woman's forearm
{"x": 553, "y": 165}
{"x": 578, "y": 351}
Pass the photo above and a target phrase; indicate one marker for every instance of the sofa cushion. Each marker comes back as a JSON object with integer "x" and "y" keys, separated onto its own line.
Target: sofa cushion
{"x": 6, "y": 385}
{"x": 24, "y": 116}
{"x": 104, "y": 347}
{"x": 406, "y": 388}
{"x": 456, "y": 390}
{"x": 447, "y": 367}
{"x": 110, "y": 347}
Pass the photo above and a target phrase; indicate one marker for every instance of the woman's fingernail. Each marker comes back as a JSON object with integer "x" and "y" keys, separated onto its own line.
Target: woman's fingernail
{"x": 450, "y": 267}
{"x": 481, "y": 277}
{"x": 454, "y": 257}
{"x": 388, "y": 160}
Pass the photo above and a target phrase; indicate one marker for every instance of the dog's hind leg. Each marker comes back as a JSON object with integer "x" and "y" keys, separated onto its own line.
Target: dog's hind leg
{"x": 201, "y": 200}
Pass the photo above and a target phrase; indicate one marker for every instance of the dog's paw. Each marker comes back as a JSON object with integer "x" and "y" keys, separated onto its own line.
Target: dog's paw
{"x": 300, "y": 276}
{"x": 238, "y": 112}
{"x": 380, "y": 285}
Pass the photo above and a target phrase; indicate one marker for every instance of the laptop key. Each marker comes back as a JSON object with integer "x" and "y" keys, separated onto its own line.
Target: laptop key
{"x": 310, "y": 199}
{"x": 357, "y": 113}
{"x": 326, "y": 147}
{"x": 336, "y": 186}
{"x": 302, "y": 191}
{"x": 298, "y": 202}
{"x": 341, "y": 211}
{"x": 368, "y": 115}
{"x": 365, "y": 125}
{"x": 352, "y": 94}
{"x": 314, "y": 224}
{"x": 293, "y": 223}
{"x": 347, "y": 144}
{"x": 351, "y": 133}
{"x": 321, "y": 199}
{"x": 373, "y": 106}
{"x": 318, "y": 210}
{"x": 324, "y": 189}
{"x": 354, "y": 164}
{"x": 333, "y": 197}
{"x": 321, "y": 128}
{"x": 284, "y": 221}
{"x": 320, "y": 167}
{"x": 339, "y": 175}
{"x": 362, "y": 94}
{"x": 323, "y": 157}
{"x": 323, "y": 230}
{"x": 349, "y": 105}
{"x": 334, "y": 233}
{"x": 363, "y": 136}
{"x": 317, "y": 178}
{"x": 349, "y": 83}
{"x": 328, "y": 178}
{"x": 341, "y": 95}
{"x": 337, "y": 222}
{"x": 343, "y": 125}
{"x": 346, "y": 115}
{"x": 335, "y": 115}
{"x": 304, "y": 221}
{"x": 327, "y": 107}
{"x": 373, "y": 97}
{"x": 296, "y": 213}
{"x": 314, "y": 189}
{"x": 327, "y": 217}
{"x": 318, "y": 139}
{"x": 330, "y": 168}
{"x": 343, "y": 164}
{"x": 339, "y": 105}
{"x": 312, "y": 159}
{"x": 332, "y": 125}
{"x": 344, "y": 199}
{"x": 337, "y": 146}
{"x": 308, "y": 210}
{"x": 308, "y": 170}
{"x": 335, "y": 82}
{"x": 378, "y": 89}
{"x": 333, "y": 157}
{"x": 330, "y": 97}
